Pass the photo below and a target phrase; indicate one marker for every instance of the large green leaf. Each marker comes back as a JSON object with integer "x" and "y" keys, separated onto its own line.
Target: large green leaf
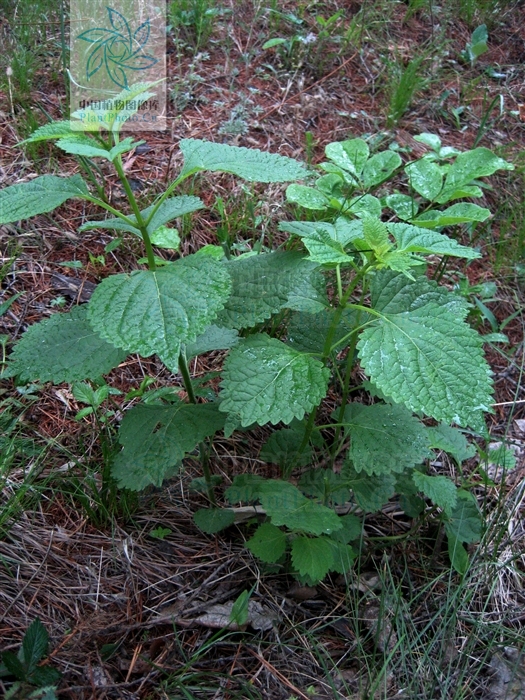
{"x": 312, "y": 557}
{"x": 39, "y": 196}
{"x": 156, "y": 438}
{"x": 81, "y": 145}
{"x": 307, "y": 197}
{"x": 286, "y": 505}
{"x": 469, "y": 166}
{"x": 461, "y": 213}
{"x": 64, "y": 348}
{"x": 264, "y": 284}
{"x": 411, "y": 239}
{"x": 308, "y": 332}
{"x": 425, "y": 177}
{"x": 370, "y": 492}
{"x": 212, "y": 520}
{"x": 248, "y": 163}
{"x": 379, "y": 168}
{"x": 170, "y": 209}
{"x": 213, "y": 338}
{"x": 268, "y": 381}
{"x": 371, "y": 428}
{"x": 421, "y": 352}
{"x": 268, "y": 543}
{"x": 282, "y": 448}
{"x": 154, "y": 312}
{"x": 350, "y": 155}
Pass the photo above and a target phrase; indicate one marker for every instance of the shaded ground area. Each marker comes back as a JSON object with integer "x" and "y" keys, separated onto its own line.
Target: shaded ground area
{"x": 130, "y": 608}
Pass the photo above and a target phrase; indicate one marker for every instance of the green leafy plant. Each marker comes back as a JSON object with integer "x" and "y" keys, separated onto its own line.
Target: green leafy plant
{"x": 32, "y": 680}
{"x": 346, "y": 289}
{"x": 477, "y": 44}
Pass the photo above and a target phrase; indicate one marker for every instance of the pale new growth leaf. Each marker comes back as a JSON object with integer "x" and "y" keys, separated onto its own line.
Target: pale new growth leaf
{"x": 268, "y": 381}
{"x": 371, "y": 428}
{"x": 379, "y": 168}
{"x": 248, "y": 163}
{"x": 469, "y": 166}
{"x": 425, "y": 177}
{"x": 64, "y": 348}
{"x": 39, "y": 196}
{"x": 350, "y": 155}
{"x": 154, "y": 312}
{"x": 264, "y": 284}
{"x": 326, "y": 242}
{"x": 451, "y": 440}
{"x": 312, "y": 558}
{"x": 156, "y": 438}
{"x": 268, "y": 543}
{"x": 439, "y": 489}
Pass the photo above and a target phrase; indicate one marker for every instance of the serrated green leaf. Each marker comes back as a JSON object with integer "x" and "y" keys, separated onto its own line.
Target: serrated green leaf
{"x": 156, "y": 438}
{"x": 376, "y": 235}
{"x": 34, "y": 645}
{"x": 53, "y": 130}
{"x": 64, "y": 348}
{"x": 423, "y": 354}
{"x": 373, "y": 427}
{"x": 326, "y": 242}
{"x": 411, "y": 239}
{"x": 268, "y": 381}
{"x": 363, "y": 205}
{"x": 312, "y": 557}
{"x": 39, "y": 196}
{"x": 502, "y": 456}
{"x": 248, "y": 163}
{"x": 404, "y": 206}
{"x": 445, "y": 437}
{"x": 155, "y": 311}
{"x": 351, "y": 530}
{"x": 370, "y": 492}
{"x": 264, "y": 284}
{"x": 212, "y": 520}
{"x": 439, "y": 489}
{"x": 82, "y": 145}
{"x": 286, "y": 505}
{"x": 244, "y": 489}
{"x": 458, "y": 555}
{"x": 379, "y": 168}
{"x": 15, "y": 667}
{"x": 324, "y": 484}
{"x": 213, "y": 338}
{"x": 307, "y": 332}
{"x": 282, "y": 448}
{"x": 165, "y": 237}
{"x": 45, "y": 679}
{"x": 170, "y": 209}
{"x": 350, "y": 155}
{"x": 307, "y": 197}
{"x": 343, "y": 556}
{"x": 268, "y": 543}
{"x": 425, "y": 177}
{"x": 200, "y": 485}
{"x": 468, "y": 166}
{"x": 465, "y": 520}
{"x": 461, "y": 213}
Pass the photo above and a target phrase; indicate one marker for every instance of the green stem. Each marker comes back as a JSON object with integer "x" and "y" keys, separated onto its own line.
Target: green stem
{"x": 328, "y": 347}
{"x": 203, "y": 455}
{"x": 141, "y": 224}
